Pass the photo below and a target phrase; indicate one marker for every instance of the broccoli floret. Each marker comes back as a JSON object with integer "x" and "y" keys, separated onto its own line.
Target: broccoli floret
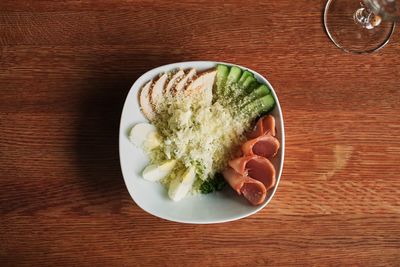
{"x": 206, "y": 187}
{"x": 216, "y": 183}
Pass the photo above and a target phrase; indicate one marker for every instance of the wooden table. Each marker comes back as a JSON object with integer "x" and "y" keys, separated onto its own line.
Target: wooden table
{"x": 65, "y": 69}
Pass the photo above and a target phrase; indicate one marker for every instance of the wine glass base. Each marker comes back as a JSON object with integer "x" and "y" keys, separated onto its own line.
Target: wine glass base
{"x": 350, "y": 36}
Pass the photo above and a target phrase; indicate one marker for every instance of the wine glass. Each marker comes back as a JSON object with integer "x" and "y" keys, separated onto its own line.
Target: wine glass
{"x": 361, "y": 26}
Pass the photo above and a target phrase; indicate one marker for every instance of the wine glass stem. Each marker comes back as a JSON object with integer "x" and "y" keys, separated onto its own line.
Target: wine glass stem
{"x": 366, "y": 18}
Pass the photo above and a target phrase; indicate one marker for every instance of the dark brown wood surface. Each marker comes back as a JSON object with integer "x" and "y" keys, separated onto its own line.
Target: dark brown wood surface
{"x": 65, "y": 69}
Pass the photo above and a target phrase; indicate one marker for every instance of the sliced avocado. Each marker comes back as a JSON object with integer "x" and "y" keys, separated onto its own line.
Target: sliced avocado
{"x": 260, "y": 105}
{"x": 249, "y": 84}
{"x": 244, "y": 76}
{"x": 260, "y": 91}
{"x": 234, "y": 75}
{"x": 222, "y": 75}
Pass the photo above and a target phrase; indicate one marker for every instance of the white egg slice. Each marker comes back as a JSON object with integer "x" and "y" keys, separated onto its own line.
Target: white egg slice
{"x": 153, "y": 141}
{"x": 144, "y": 135}
{"x": 179, "y": 187}
{"x": 156, "y": 172}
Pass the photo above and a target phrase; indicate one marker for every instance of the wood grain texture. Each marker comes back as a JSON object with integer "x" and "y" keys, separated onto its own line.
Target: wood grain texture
{"x": 65, "y": 69}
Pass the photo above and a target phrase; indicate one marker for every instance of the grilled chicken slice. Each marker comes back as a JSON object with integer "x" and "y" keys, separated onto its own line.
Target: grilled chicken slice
{"x": 156, "y": 92}
{"x": 180, "y": 86}
{"x": 203, "y": 85}
{"x": 144, "y": 101}
{"x": 172, "y": 82}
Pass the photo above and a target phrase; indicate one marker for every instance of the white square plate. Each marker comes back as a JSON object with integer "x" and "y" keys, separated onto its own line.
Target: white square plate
{"x": 216, "y": 207}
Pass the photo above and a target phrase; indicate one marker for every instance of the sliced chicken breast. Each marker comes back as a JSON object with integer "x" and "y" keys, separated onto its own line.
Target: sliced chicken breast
{"x": 203, "y": 84}
{"x": 144, "y": 101}
{"x": 156, "y": 92}
{"x": 172, "y": 82}
{"x": 180, "y": 86}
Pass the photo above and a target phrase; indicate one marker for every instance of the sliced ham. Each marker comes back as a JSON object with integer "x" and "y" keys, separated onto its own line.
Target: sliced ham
{"x": 247, "y": 173}
{"x": 239, "y": 164}
{"x": 265, "y": 125}
{"x": 265, "y": 145}
{"x": 253, "y": 190}
{"x": 256, "y": 167}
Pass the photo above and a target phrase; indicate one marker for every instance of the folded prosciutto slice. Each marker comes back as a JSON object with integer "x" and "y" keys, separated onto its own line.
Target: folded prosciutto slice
{"x": 265, "y": 145}
{"x": 251, "y": 174}
{"x": 253, "y": 190}
{"x": 256, "y": 167}
{"x": 265, "y": 125}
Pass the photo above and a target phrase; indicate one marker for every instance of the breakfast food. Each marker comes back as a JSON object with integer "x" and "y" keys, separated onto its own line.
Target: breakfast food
{"x": 200, "y": 133}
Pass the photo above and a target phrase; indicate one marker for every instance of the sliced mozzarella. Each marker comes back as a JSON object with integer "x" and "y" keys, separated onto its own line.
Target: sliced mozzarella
{"x": 156, "y": 172}
{"x": 179, "y": 187}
